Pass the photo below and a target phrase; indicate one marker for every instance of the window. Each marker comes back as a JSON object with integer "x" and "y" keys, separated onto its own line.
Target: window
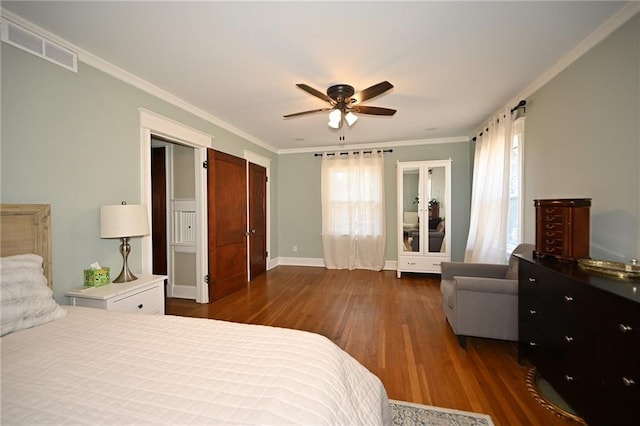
{"x": 353, "y": 222}
{"x": 514, "y": 224}
{"x": 355, "y": 197}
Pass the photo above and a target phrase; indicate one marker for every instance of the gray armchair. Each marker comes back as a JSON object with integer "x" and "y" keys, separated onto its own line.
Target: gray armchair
{"x": 481, "y": 299}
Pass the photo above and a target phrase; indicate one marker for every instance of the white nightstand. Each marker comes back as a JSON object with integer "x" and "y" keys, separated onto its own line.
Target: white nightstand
{"x": 144, "y": 295}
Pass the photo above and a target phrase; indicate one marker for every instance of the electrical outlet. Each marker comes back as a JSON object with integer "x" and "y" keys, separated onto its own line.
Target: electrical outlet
{"x": 295, "y": 249}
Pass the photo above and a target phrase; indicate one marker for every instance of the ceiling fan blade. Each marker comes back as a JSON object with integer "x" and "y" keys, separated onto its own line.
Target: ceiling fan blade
{"x": 373, "y": 91}
{"x": 316, "y": 93}
{"x": 373, "y": 110}
{"x": 296, "y": 114}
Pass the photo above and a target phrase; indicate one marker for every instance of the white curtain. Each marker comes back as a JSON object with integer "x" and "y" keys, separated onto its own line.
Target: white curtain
{"x": 487, "y": 240}
{"x": 353, "y": 219}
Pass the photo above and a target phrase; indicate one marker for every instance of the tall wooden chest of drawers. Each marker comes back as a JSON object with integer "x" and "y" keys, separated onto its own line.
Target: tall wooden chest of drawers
{"x": 562, "y": 228}
{"x": 582, "y": 333}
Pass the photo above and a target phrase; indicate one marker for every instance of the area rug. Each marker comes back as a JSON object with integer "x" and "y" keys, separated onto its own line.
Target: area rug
{"x": 410, "y": 414}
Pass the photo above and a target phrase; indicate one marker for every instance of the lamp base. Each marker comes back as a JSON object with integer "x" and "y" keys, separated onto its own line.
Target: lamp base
{"x": 125, "y": 275}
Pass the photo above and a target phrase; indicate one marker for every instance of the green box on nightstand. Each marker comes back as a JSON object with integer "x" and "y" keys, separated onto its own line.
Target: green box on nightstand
{"x": 96, "y": 277}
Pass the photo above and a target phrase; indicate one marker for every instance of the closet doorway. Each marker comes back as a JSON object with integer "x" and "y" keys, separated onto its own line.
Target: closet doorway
{"x": 173, "y": 216}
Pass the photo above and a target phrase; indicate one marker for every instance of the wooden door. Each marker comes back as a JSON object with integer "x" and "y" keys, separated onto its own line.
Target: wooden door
{"x": 257, "y": 220}
{"x": 227, "y": 210}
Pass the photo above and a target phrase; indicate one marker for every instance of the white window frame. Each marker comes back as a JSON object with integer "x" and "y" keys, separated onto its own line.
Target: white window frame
{"x": 518, "y": 135}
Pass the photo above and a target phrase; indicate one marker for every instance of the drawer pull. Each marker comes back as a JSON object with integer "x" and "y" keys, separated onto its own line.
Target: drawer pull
{"x": 550, "y": 234}
{"x": 140, "y": 306}
{"x": 550, "y": 210}
{"x": 625, "y": 328}
{"x": 533, "y": 312}
{"x": 550, "y": 218}
{"x": 568, "y": 339}
{"x": 568, "y": 299}
{"x": 628, "y": 382}
{"x": 533, "y": 344}
{"x": 550, "y": 226}
{"x": 568, "y": 378}
{"x": 550, "y": 242}
{"x": 532, "y": 280}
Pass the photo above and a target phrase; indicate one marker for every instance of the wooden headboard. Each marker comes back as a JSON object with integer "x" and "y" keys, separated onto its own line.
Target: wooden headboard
{"x": 26, "y": 228}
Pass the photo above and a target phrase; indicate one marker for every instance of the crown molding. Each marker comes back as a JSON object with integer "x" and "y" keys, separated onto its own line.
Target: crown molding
{"x": 133, "y": 80}
{"x": 603, "y": 31}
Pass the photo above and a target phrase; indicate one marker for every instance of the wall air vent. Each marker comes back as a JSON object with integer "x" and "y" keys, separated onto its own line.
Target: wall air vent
{"x": 31, "y": 42}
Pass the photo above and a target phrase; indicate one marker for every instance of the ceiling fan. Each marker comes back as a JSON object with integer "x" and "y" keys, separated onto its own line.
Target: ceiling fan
{"x": 344, "y": 103}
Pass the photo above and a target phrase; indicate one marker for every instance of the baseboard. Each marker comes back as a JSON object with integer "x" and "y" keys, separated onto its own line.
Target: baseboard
{"x": 183, "y": 292}
{"x": 272, "y": 263}
{"x": 389, "y": 265}
{"x": 300, "y": 261}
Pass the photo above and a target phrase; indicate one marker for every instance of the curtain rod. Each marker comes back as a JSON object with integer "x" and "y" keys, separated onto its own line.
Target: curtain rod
{"x": 521, "y": 104}
{"x": 355, "y": 152}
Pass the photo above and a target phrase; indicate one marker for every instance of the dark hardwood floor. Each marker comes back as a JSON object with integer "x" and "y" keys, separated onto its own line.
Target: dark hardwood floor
{"x": 395, "y": 328}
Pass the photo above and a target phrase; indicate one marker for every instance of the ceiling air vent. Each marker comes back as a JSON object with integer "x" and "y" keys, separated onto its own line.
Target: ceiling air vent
{"x": 31, "y": 42}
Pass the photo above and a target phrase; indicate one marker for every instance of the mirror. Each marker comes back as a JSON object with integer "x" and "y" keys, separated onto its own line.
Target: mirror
{"x": 410, "y": 206}
{"x": 436, "y": 191}
{"x": 424, "y": 207}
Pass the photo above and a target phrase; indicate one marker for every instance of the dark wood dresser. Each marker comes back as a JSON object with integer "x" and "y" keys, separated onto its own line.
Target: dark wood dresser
{"x": 582, "y": 333}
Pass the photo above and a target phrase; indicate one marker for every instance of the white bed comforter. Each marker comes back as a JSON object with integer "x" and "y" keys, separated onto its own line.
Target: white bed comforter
{"x": 100, "y": 367}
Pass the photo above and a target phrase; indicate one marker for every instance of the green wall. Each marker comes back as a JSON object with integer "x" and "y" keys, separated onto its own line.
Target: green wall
{"x": 72, "y": 140}
{"x": 300, "y": 216}
{"x": 582, "y": 139}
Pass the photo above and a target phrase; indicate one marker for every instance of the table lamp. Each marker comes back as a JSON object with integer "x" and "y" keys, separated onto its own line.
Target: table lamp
{"x": 124, "y": 221}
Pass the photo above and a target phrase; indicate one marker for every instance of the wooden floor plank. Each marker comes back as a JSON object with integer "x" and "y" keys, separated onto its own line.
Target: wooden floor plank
{"x": 395, "y": 328}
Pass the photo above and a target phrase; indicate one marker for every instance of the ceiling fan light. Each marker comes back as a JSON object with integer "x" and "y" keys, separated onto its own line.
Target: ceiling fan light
{"x": 335, "y": 117}
{"x": 334, "y": 124}
{"x": 351, "y": 118}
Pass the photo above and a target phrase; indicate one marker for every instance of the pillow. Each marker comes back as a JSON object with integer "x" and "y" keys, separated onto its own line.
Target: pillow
{"x": 25, "y": 298}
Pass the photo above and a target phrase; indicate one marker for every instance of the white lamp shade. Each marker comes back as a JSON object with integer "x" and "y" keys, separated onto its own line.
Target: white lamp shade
{"x": 335, "y": 117}
{"x": 351, "y": 118}
{"x": 123, "y": 220}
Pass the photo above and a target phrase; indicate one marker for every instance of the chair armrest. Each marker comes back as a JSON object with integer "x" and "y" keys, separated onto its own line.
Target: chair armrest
{"x": 486, "y": 285}
{"x": 486, "y": 270}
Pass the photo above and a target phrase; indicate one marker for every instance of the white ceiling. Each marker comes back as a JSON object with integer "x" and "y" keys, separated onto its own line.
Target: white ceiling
{"x": 453, "y": 64}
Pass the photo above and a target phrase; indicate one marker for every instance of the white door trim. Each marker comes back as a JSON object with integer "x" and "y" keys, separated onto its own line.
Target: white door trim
{"x": 152, "y": 123}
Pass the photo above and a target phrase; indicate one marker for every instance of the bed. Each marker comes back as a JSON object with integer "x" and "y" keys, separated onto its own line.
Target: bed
{"x": 92, "y": 366}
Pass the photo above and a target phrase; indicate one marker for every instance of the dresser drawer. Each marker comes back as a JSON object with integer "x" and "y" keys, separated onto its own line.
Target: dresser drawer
{"x": 552, "y": 216}
{"x": 568, "y": 298}
{"x": 421, "y": 264}
{"x": 147, "y": 302}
